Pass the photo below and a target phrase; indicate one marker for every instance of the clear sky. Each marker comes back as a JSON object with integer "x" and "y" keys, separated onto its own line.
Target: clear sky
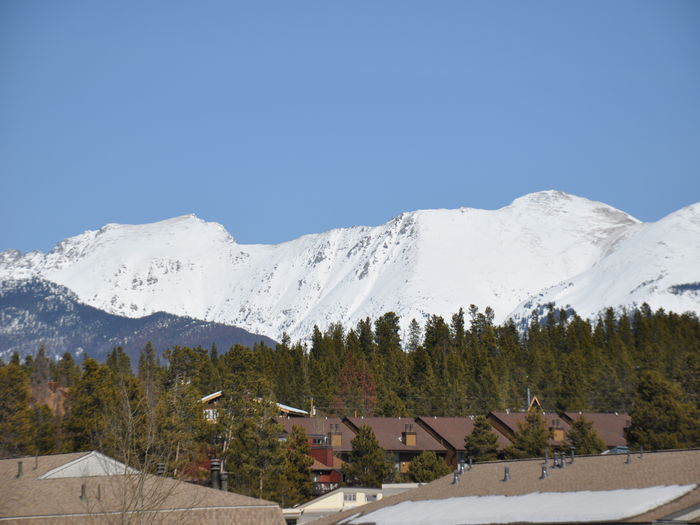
{"x": 287, "y": 117}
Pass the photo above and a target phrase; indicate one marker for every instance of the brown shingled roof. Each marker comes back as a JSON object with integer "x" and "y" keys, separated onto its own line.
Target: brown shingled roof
{"x": 454, "y": 429}
{"x": 320, "y": 426}
{"x": 610, "y": 427}
{"x": 33, "y": 500}
{"x": 507, "y": 423}
{"x": 587, "y": 473}
{"x": 337, "y": 464}
{"x": 388, "y": 431}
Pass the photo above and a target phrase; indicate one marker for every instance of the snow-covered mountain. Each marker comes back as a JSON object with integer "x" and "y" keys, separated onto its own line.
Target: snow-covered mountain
{"x": 547, "y": 246}
{"x": 657, "y": 263}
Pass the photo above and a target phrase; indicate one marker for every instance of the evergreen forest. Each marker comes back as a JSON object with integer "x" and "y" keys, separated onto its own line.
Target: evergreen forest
{"x": 641, "y": 362}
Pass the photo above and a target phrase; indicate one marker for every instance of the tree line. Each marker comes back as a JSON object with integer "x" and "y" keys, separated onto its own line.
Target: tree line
{"x": 643, "y": 362}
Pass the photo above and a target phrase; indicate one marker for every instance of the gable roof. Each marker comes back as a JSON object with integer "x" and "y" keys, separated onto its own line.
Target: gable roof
{"x": 507, "y": 422}
{"x": 610, "y": 427}
{"x": 601, "y": 473}
{"x": 454, "y": 429}
{"x": 88, "y": 465}
{"x": 388, "y": 431}
{"x": 49, "y": 490}
{"x": 285, "y": 409}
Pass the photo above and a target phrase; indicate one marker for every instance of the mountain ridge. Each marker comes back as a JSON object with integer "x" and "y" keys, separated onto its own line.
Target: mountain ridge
{"x": 416, "y": 264}
{"x": 35, "y": 312}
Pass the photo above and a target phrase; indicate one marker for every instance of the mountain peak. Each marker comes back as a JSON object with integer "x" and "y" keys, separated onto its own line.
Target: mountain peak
{"x": 417, "y": 264}
{"x": 190, "y": 228}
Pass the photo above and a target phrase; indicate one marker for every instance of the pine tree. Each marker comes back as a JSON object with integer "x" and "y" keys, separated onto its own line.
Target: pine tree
{"x": 88, "y": 407}
{"x": 15, "y": 415}
{"x": 660, "y": 419}
{"x": 118, "y": 362}
{"x": 40, "y": 375}
{"x": 297, "y": 477}
{"x": 150, "y": 373}
{"x": 367, "y": 465}
{"x": 423, "y": 401}
{"x": 67, "y": 371}
{"x": 356, "y": 390}
{"x": 427, "y": 467}
{"x": 254, "y": 457}
{"x": 390, "y": 367}
{"x": 178, "y": 423}
{"x": 389, "y": 404}
{"x": 414, "y": 336}
{"x": 186, "y": 365}
{"x": 482, "y": 443}
{"x": 584, "y": 437}
{"x": 44, "y": 429}
{"x": 531, "y": 438}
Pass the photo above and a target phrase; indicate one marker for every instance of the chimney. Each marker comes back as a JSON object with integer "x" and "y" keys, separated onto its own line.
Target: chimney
{"x": 544, "y": 472}
{"x": 408, "y": 436}
{"x": 506, "y": 473}
{"x": 19, "y": 470}
{"x": 224, "y": 481}
{"x": 216, "y": 474}
{"x": 336, "y": 438}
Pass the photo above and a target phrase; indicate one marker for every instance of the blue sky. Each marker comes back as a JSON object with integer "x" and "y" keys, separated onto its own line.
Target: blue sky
{"x": 284, "y": 118}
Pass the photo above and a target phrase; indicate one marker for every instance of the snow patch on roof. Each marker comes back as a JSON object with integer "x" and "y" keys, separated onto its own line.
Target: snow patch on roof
{"x": 536, "y": 507}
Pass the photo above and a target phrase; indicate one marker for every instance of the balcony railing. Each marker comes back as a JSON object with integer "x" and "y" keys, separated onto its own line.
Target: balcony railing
{"x": 321, "y": 487}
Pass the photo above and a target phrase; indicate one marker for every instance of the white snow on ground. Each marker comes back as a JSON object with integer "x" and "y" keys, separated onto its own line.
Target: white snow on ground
{"x": 543, "y": 246}
{"x": 536, "y": 507}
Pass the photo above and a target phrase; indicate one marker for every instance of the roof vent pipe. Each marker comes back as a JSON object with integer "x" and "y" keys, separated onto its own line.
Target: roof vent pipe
{"x": 82, "y": 492}
{"x": 562, "y": 459}
{"x": 546, "y": 456}
{"x": 36, "y": 461}
{"x": 573, "y": 450}
{"x": 629, "y": 458}
{"x": 455, "y": 477}
{"x": 641, "y": 451}
{"x": 19, "y": 470}
{"x": 215, "y": 474}
{"x": 224, "y": 481}
{"x": 544, "y": 472}
{"x": 160, "y": 469}
{"x": 506, "y": 473}
{"x": 469, "y": 462}
{"x": 99, "y": 493}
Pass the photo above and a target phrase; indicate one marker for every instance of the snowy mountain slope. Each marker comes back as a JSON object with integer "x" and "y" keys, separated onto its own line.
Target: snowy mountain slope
{"x": 419, "y": 263}
{"x": 658, "y": 263}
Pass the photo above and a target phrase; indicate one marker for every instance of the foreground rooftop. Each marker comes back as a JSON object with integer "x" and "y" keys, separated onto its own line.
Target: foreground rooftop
{"x": 600, "y": 489}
